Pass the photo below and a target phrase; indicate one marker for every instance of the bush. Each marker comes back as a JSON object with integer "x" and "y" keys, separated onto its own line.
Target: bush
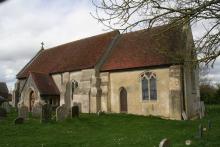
{"x": 210, "y": 94}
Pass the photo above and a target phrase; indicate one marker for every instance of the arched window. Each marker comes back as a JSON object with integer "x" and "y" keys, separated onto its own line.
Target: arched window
{"x": 74, "y": 86}
{"x": 153, "y": 88}
{"x": 145, "y": 94}
{"x": 149, "y": 86}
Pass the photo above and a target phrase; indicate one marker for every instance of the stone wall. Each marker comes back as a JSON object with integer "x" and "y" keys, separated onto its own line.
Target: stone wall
{"x": 106, "y": 97}
{"x": 87, "y": 94}
{"x": 191, "y": 76}
{"x": 176, "y": 92}
{"x": 25, "y": 94}
{"x": 192, "y": 95}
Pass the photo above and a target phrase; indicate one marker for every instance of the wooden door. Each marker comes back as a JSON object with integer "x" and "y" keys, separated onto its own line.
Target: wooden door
{"x": 123, "y": 100}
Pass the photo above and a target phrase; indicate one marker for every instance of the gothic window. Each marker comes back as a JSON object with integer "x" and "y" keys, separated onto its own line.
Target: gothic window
{"x": 145, "y": 95}
{"x": 74, "y": 86}
{"x": 153, "y": 88}
{"x": 149, "y": 86}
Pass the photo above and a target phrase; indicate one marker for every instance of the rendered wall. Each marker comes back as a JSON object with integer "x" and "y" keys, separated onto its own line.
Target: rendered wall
{"x": 131, "y": 81}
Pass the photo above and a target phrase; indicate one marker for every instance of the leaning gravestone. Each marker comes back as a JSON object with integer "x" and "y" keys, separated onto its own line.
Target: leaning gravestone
{"x": 202, "y": 108}
{"x": 62, "y": 112}
{"x": 23, "y": 112}
{"x": 200, "y": 131}
{"x": 164, "y": 143}
{"x": 75, "y": 111}
{"x": 19, "y": 120}
{"x": 46, "y": 113}
{"x": 209, "y": 124}
{"x": 37, "y": 110}
{"x": 6, "y": 106}
{"x": 3, "y": 113}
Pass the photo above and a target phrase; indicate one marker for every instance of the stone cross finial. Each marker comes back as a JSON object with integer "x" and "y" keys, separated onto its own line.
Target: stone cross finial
{"x": 42, "y": 45}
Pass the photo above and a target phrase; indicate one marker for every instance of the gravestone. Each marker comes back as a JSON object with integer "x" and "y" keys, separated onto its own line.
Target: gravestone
{"x": 46, "y": 113}
{"x": 19, "y": 120}
{"x": 164, "y": 143}
{"x": 37, "y": 110}
{"x": 23, "y": 112}
{"x": 184, "y": 115}
{"x": 75, "y": 111}
{"x": 3, "y": 113}
{"x": 209, "y": 124}
{"x": 62, "y": 112}
{"x": 6, "y": 106}
{"x": 200, "y": 131}
{"x": 188, "y": 142}
{"x": 202, "y": 110}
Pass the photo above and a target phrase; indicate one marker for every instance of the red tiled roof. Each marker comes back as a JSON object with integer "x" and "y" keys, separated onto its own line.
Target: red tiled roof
{"x": 77, "y": 55}
{"x": 45, "y": 84}
{"x": 135, "y": 49}
{"x": 144, "y": 48}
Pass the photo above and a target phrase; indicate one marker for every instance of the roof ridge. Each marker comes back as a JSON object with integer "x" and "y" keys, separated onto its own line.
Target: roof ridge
{"x": 36, "y": 72}
{"x": 168, "y": 26}
{"x": 80, "y": 40}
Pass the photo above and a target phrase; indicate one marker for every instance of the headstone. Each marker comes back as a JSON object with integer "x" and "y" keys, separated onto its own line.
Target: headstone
{"x": 37, "y": 110}
{"x": 6, "y": 106}
{"x": 164, "y": 143}
{"x": 79, "y": 105}
{"x": 184, "y": 115}
{"x": 62, "y": 112}
{"x": 3, "y": 113}
{"x": 23, "y": 112}
{"x": 75, "y": 111}
{"x": 202, "y": 109}
{"x": 188, "y": 142}
{"x": 209, "y": 124}
{"x": 200, "y": 131}
{"x": 98, "y": 113}
{"x": 19, "y": 120}
{"x": 46, "y": 113}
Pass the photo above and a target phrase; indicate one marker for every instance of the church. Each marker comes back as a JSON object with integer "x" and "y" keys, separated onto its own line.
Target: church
{"x": 146, "y": 72}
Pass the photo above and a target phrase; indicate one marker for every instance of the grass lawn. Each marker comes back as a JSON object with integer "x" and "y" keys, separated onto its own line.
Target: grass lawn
{"x": 109, "y": 131}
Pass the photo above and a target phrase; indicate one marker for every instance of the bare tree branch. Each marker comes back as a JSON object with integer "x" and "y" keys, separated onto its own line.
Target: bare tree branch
{"x": 129, "y": 14}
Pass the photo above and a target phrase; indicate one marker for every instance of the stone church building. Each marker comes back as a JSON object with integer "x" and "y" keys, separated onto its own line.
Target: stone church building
{"x": 144, "y": 72}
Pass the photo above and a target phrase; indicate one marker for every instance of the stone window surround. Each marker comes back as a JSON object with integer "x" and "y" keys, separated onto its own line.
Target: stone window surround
{"x": 145, "y": 74}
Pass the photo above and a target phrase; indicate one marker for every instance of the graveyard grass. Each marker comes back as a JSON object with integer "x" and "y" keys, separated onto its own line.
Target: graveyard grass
{"x": 109, "y": 131}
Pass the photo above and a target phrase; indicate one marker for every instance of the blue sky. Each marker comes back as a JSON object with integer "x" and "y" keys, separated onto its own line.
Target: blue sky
{"x": 24, "y": 24}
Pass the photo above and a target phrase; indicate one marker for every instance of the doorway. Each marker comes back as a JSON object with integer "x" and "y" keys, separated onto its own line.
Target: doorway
{"x": 123, "y": 100}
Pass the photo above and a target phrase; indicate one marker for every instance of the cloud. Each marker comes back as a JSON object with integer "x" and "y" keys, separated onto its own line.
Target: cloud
{"x": 25, "y": 24}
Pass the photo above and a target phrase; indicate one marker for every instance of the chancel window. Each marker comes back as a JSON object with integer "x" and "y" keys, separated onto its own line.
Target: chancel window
{"x": 145, "y": 94}
{"x": 149, "y": 86}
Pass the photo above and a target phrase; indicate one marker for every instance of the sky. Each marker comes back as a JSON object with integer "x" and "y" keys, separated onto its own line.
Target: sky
{"x": 24, "y": 24}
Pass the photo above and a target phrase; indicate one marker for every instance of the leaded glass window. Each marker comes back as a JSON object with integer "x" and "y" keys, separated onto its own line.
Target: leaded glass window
{"x": 153, "y": 88}
{"x": 149, "y": 86}
{"x": 145, "y": 94}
